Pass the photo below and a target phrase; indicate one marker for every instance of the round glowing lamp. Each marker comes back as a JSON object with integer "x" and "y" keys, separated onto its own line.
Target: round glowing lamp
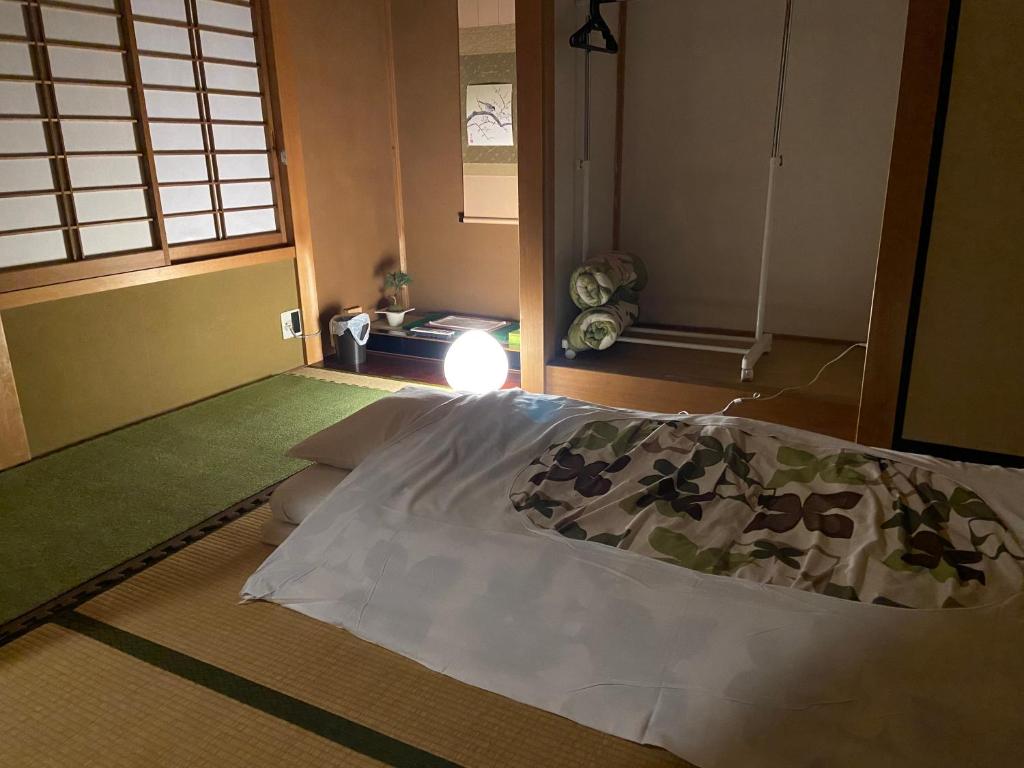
{"x": 476, "y": 363}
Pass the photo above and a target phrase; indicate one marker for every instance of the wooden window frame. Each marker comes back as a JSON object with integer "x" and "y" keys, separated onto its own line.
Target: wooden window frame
{"x": 77, "y": 266}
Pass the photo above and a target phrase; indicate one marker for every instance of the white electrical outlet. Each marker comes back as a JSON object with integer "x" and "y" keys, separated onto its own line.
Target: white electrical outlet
{"x": 291, "y": 324}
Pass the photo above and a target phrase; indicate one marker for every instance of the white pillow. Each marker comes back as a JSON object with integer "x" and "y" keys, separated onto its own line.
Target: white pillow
{"x": 274, "y": 532}
{"x": 295, "y": 498}
{"x": 345, "y": 444}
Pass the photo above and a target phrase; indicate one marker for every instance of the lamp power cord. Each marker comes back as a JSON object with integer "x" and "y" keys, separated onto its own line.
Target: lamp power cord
{"x": 758, "y": 396}
{"x": 288, "y": 325}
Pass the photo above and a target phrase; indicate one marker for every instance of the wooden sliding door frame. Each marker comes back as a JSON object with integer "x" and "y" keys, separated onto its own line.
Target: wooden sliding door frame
{"x": 13, "y": 438}
{"x": 78, "y": 265}
{"x": 535, "y": 79}
{"x": 900, "y": 442}
{"x": 282, "y": 80}
{"x": 906, "y": 218}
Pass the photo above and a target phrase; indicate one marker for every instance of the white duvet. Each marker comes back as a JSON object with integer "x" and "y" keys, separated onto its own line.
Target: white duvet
{"x": 421, "y": 551}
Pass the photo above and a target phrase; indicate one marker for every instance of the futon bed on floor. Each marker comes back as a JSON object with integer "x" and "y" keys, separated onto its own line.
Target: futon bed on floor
{"x": 736, "y": 592}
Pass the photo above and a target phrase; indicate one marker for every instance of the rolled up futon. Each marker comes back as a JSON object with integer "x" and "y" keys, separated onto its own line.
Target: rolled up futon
{"x": 598, "y": 328}
{"x": 596, "y": 282}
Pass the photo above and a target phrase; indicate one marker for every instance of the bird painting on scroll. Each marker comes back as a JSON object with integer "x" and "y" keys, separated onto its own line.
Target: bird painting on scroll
{"x": 489, "y": 115}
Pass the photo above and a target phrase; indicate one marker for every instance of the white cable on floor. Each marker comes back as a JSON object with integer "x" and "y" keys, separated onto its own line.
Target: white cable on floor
{"x": 757, "y": 395}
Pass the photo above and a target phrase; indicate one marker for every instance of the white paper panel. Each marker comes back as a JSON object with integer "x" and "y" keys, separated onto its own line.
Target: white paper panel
{"x": 25, "y": 175}
{"x": 18, "y": 99}
{"x": 185, "y": 199}
{"x": 14, "y": 59}
{"x": 243, "y": 166}
{"x": 181, "y": 168}
{"x": 27, "y": 212}
{"x": 110, "y": 204}
{"x": 81, "y": 136}
{"x": 21, "y": 136}
{"x": 80, "y": 62}
{"x": 244, "y": 195}
{"x": 114, "y": 238}
{"x": 185, "y": 229}
{"x": 161, "y": 37}
{"x": 249, "y": 222}
{"x": 12, "y": 22}
{"x": 232, "y": 78}
{"x": 176, "y": 136}
{"x": 61, "y": 24}
{"x": 217, "y": 45}
{"x": 104, "y": 171}
{"x": 239, "y": 137}
{"x": 164, "y": 9}
{"x": 33, "y": 248}
{"x": 236, "y": 107}
{"x": 157, "y": 71}
{"x": 111, "y": 4}
{"x": 490, "y": 196}
{"x": 92, "y": 100}
{"x": 172, "y": 104}
{"x": 216, "y": 14}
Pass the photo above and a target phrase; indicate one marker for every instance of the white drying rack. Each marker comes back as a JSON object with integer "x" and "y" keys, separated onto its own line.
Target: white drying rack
{"x": 750, "y": 347}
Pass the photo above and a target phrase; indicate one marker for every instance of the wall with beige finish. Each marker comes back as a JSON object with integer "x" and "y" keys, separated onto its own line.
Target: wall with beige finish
{"x": 464, "y": 267}
{"x": 87, "y": 364}
{"x": 341, "y": 63}
{"x": 967, "y": 366}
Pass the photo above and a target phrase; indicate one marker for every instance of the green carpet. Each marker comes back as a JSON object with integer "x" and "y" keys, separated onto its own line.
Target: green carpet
{"x": 72, "y": 515}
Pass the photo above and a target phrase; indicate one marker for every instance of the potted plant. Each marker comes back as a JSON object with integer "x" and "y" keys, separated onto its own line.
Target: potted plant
{"x": 394, "y": 282}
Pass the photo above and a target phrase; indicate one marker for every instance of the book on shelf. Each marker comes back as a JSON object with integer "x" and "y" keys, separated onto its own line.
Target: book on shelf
{"x": 440, "y": 334}
{"x": 462, "y": 323}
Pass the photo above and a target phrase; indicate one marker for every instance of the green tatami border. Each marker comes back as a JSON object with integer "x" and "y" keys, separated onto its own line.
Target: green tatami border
{"x": 347, "y": 733}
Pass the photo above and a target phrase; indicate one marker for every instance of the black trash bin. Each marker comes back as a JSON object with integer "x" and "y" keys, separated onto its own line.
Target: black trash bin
{"x": 350, "y": 333}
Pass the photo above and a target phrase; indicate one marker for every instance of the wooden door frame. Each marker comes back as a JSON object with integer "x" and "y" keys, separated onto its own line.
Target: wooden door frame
{"x": 535, "y": 86}
{"x": 905, "y": 220}
{"x": 14, "y": 447}
{"x": 900, "y": 440}
{"x": 283, "y": 86}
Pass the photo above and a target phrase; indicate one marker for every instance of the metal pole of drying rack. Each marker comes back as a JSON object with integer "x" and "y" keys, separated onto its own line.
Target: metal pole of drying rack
{"x": 750, "y": 348}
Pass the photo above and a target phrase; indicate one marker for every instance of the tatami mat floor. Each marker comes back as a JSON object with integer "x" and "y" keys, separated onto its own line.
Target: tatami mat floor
{"x": 169, "y": 669}
{"x": 67, "y": 700}
{"x": 358, "y": 379}
{"x": 342, "y": 377}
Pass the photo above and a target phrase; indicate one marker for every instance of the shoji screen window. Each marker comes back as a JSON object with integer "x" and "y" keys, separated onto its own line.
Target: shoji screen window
{"x": 133, "y": 133}
{"x": 204, "y": 84}
{"x": 74, "y": 187}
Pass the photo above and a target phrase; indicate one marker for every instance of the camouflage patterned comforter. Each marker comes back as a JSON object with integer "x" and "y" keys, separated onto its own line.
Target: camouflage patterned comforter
{"x": 719, "y": 500}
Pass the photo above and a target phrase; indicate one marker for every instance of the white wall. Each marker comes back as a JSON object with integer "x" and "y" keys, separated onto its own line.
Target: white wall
{"x": 569, "y": 80}
{"x": 841, "y": 108}
{"x": 699, "y": 100}
{"x": 566, "y": 140}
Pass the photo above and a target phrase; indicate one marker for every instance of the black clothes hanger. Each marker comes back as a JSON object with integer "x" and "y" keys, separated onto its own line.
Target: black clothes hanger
{"x": 595, "y": 23}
